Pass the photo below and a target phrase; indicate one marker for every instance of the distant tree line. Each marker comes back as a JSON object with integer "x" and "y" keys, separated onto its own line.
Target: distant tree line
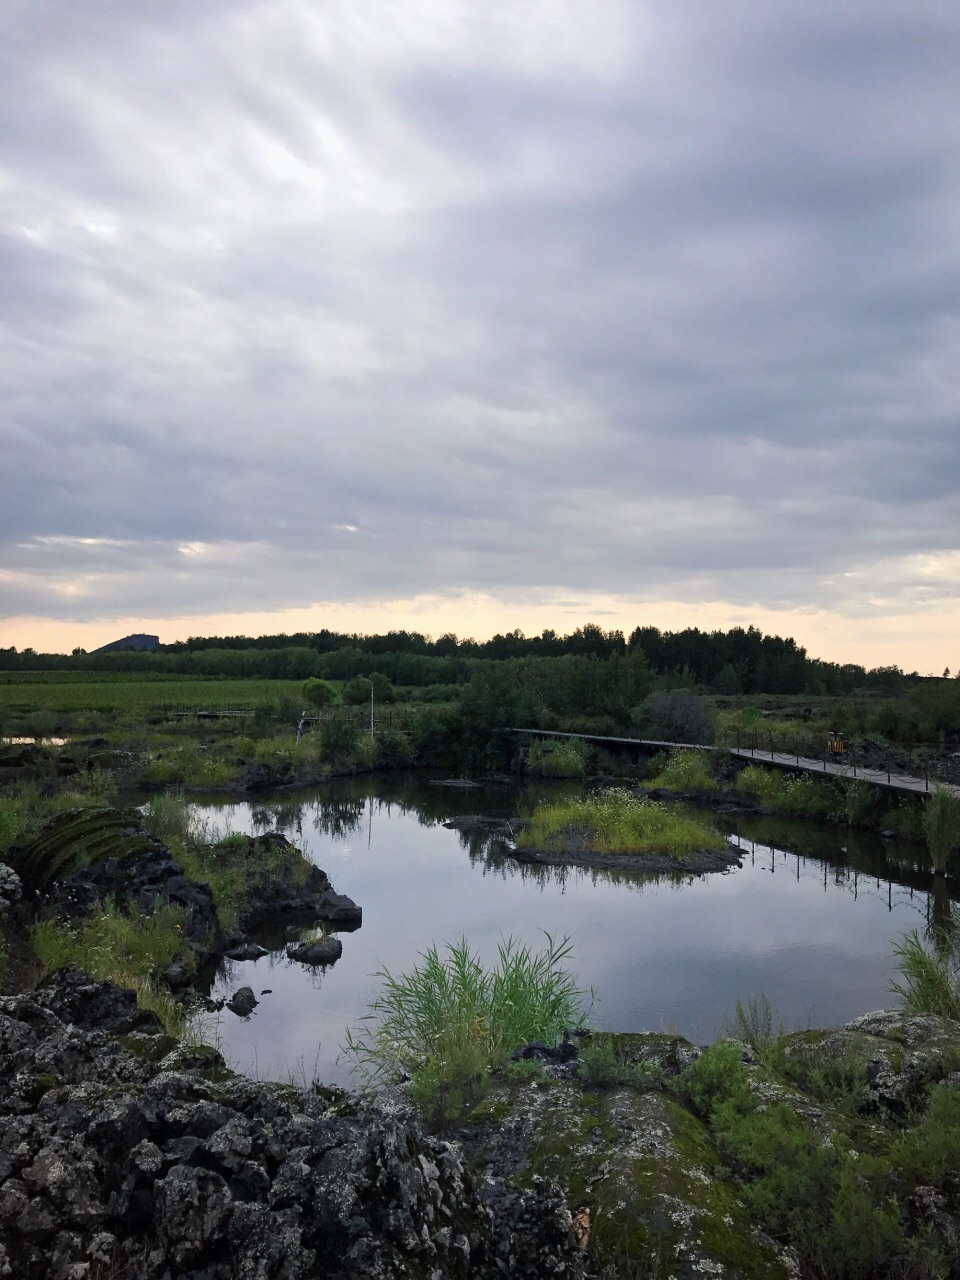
{"x": 738, "y": 661}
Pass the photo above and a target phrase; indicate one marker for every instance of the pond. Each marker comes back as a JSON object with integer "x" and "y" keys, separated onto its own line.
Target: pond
{"x": 809, "y": 920}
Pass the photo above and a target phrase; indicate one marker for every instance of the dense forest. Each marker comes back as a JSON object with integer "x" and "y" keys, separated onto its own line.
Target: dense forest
{"x": 739, "y": 661}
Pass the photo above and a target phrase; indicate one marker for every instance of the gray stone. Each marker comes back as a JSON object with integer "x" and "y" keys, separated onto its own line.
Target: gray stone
{"x": 324, "y": 951}
{"x": 243, "y": 1002}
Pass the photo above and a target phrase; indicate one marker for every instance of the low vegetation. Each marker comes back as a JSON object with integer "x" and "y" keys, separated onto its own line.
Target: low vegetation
{"x": 684, "y": 771}
{"x": 233, "y": 865}
{"x": 121, "y": 946}
{"x": 784, "y": 792}
{"x": 566, "y": 758}
{"x": 601, "y": 1065}
{"x": 449, "y": 1021}
{"x": 615, "y": 821}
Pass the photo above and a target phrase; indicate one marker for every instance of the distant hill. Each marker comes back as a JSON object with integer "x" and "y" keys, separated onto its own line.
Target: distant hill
{"x": 135, "y": 644}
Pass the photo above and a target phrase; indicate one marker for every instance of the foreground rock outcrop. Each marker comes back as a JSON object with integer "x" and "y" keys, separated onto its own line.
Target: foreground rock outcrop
{"x": 126, "y": 1153}
{"x": 123, "y": 1154}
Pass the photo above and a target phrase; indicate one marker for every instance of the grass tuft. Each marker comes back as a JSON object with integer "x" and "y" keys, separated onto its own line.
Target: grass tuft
{"x": 449, "y": 1021}
{"x": 564, "y": 759}
{"x": 931, "y": 980}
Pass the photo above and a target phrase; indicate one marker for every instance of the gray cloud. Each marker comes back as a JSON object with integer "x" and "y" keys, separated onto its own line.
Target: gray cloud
{"x": 651, "y": 299}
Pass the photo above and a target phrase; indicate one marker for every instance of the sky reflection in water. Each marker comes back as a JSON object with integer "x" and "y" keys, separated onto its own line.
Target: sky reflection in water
{"x": 806, "y": 929}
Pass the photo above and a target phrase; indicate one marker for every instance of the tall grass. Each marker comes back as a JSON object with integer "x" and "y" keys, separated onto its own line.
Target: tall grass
{"x": 941, "y": 826}
{"x": 788, "y": 793}
{"x": 685, "y": 771}
{"x": 169, "y": 818}
{"x": 189, "y": 763}
{"x": 122, "y": 947}
{"x": 614, "y": 821}
{"x": 564, "y": 759}
{"x": 233, "y": 865}
{"x": 931, "y": 980}
{"x": 757, "y": 1024}
{"x": 448, "y": 1021}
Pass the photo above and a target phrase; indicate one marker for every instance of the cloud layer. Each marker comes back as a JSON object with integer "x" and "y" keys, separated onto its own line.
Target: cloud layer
{"x": 361, "y": 301}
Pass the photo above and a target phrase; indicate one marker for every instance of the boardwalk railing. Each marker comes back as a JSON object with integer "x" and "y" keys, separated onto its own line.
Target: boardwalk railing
{"x": 819, "y": 760}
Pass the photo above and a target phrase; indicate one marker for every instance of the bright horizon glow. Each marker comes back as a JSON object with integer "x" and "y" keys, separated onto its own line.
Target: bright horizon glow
{"x": 927, "y": 647}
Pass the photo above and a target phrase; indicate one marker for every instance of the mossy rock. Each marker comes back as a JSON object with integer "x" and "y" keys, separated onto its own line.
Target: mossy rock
{"x": 902, "y": 1054}
{"x": 149, "y": 1047}
{"x": 671, "y": 1053}
{"x": 644, "y": 1169}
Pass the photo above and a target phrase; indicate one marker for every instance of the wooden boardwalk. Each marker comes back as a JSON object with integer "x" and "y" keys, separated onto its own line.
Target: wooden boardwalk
{"x": 780, "y": 759}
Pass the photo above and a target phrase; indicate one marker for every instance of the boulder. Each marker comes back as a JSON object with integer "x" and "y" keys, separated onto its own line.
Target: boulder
{"x": 243, "y": 1002}
{"x": 145, "y": 879}
{"x": 11, "y": 890}
{"x": 246, "y": 950}
{"x": 638, "y": 1172}
{"x": 900, "y": 1054}
{"x": 336, "y": 908}
{"x": 323, "y": 951}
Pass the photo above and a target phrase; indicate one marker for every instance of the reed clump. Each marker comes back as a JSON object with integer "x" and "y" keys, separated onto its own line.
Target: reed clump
{"x": 930, "y": 978}
{"x": 444, "y": 1025}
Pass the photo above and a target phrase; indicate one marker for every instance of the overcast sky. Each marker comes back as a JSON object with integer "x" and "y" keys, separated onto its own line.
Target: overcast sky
{"x": 465, "y": 316}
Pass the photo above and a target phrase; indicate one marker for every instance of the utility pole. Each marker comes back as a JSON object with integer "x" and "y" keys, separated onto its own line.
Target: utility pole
{"x": 371, "y": 706}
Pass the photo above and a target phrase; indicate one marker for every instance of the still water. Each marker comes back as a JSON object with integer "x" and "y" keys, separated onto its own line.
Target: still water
{"x": 809, "y": 920}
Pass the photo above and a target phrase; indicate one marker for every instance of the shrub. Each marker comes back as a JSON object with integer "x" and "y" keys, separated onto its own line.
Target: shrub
{"x": 566, "y": 758}
{"x": 677, "y": 716}
{"x": 614, "y": 821}
{"x": 929, "y": 1154}
{"x": 685, "y": 771}
{"x": 339, "y": 736}
{"x": 356, "y": 692}
{"x": 788, "y": 793}
{"x": 395, "y": 748}
{"x": 601, "y": 1066}
{"x": 832, "y": 1207}
{"x": 449, "y": 1021}
{"x": 718, "y": 1076}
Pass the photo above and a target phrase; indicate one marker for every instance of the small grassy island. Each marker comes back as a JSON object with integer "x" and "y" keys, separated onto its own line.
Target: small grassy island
{"x": 617, "y": 828}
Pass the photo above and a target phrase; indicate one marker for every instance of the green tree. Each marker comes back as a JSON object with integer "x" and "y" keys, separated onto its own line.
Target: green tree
{"x": 317, "y": 692}
{"x": 357, "y": 691}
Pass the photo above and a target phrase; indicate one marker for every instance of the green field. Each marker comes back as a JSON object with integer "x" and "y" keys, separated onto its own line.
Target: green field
{"x": 64, "y": 691}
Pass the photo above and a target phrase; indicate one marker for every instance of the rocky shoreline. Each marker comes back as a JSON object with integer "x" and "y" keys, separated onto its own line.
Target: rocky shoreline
{"x": 126, "y": 1153}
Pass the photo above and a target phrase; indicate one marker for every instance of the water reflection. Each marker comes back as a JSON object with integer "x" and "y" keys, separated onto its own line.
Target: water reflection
{"x": 810, "y": 918}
